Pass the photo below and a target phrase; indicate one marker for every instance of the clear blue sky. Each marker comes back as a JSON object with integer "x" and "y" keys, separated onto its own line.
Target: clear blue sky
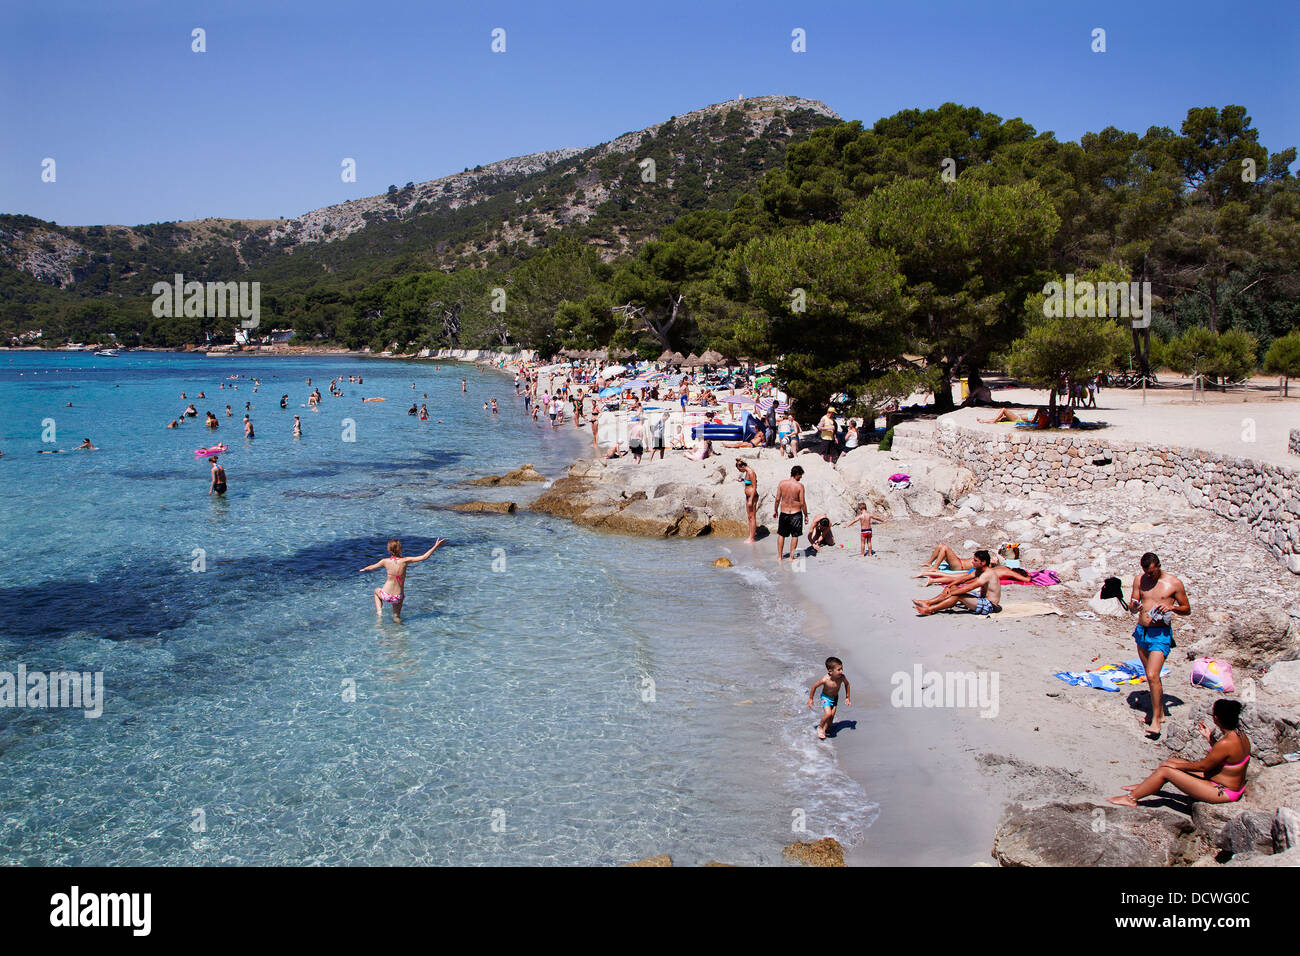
{"x": 143, "y": 130}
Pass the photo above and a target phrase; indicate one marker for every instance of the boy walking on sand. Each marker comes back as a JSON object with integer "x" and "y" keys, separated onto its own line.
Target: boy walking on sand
{"x": 864, "y": 518}
{"x": 830, "y": 692}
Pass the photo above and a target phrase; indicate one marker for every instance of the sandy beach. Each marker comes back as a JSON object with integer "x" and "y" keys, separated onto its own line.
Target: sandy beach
{"x": 945, "y": 777}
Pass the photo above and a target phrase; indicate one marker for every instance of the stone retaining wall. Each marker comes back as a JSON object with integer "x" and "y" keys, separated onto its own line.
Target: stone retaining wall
{"x": 1264, "y": 495}
{"x": 1293, "y": 441}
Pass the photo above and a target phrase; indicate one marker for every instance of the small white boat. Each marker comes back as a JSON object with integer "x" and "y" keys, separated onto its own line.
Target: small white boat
{"x": 108, "y": 353}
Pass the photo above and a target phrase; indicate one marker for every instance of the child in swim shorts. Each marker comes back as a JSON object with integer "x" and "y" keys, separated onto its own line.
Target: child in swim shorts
{"x": 830, "y": 692}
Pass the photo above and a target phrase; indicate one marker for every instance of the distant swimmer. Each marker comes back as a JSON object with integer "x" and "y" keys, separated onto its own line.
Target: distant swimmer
{"x": 211, "y": 421}
{"x": 393, "y": 592}
{"x": 229, "y": 413}
{"x": 284, "y": 401}
{"x": 191, "y": 411}
{"x": 494, "y": 406}
{"x": 248, "y": 427}
{"x": 462, "y": 385}
{"x": 86, "y": 445}
{"x": 424, "y": 413}
{"x": 173, "y": 424}
{"x": 218, "y": 486}
{"x": 297, "y": 427}
{"x": 413, "y": 409}
{"x": 203, "y": 395}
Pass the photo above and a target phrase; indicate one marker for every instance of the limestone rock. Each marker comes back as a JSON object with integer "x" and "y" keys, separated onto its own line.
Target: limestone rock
{"x": 1250, "y": 831}
{"x": 663, "y": 859}
{"x": 655, "y": 518}
{"x": 824, "y": 852}
{"x": 1109, "y": 607}
{"x": 1254, "y": 637}
{"x": 486, "y": 507}
{"x": 1289, "y": 858}
{"x": 722, "y": 563}
{"x": 1085, "y": 834}
{"x": 1286, "y": 829}
{"x": 1283, "y": 678}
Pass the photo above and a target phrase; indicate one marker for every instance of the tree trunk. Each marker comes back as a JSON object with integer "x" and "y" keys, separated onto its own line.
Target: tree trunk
{"x": 943, "y": 390}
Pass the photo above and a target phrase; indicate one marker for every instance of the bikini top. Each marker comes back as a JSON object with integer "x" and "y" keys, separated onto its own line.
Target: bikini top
{"x": 1234, "y": 766}
{"x": 397, "y": 575}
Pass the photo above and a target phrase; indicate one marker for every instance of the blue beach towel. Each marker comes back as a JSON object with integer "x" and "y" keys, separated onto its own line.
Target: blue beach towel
{"x": 1109, "y": 676}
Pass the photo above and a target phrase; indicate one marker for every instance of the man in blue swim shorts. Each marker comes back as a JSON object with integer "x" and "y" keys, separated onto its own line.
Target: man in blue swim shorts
{"x": 1155, "y": 599}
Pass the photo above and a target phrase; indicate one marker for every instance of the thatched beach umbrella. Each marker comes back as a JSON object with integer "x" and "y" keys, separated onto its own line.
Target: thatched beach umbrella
{"x": 712, "y": 358}
{"x": 667, "y": 356}
{"x": 692, "y": 361}
{"x": 678, "y": 358}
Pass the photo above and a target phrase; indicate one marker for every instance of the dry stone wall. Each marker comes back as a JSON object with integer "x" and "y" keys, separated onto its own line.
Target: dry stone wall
{"x": 1263, "y": 495}
{"x": 1293, "y": 441}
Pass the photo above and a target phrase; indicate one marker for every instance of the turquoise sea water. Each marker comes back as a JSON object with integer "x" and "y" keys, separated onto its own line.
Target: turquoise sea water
{"x": 552, "y": 696}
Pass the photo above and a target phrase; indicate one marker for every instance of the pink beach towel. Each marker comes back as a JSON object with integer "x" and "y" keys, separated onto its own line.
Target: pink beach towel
{"x": 1043, "y": 579}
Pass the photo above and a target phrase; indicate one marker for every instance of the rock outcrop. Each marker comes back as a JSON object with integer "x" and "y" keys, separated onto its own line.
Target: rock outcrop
{"x": 1085, "y": 834}
{"x": 1272, "y": 733}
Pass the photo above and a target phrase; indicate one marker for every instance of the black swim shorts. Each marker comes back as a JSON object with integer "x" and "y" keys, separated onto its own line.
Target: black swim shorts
{"x": 790, "y": 525}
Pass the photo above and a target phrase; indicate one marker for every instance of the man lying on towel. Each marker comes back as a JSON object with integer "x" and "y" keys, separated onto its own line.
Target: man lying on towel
{"x": 984, "y": 579}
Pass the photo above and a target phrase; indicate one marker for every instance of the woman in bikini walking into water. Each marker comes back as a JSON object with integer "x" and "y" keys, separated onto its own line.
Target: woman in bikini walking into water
{"x": 394, "y": 590}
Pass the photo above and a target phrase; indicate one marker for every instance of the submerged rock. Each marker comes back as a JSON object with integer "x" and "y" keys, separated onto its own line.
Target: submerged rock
{"x": 722, "y": 563}
{"x": 486, "y": 507}
{"x": 519, "y": 476}
{"x": 663, "y": 859}
{"x": 824, "y": 852}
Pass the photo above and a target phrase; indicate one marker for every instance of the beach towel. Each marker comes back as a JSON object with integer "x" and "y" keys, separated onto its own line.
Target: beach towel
{"x": 1025, "y": 609}
{"x": 1216, "y": 675}
{"x": 1043, "y": 579}
{"x": 1109, "y": 677}
{"x": 900, "y": 481}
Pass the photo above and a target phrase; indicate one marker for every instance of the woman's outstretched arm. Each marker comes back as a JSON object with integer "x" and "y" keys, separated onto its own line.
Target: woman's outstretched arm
{"x": 425, "y": 557}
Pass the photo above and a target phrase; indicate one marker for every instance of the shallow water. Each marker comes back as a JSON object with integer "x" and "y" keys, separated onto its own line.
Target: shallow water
{"x": 553, "y": 695}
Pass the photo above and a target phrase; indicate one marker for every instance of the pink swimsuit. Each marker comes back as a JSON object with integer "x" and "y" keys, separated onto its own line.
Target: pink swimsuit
{"x": 392, "y": 598}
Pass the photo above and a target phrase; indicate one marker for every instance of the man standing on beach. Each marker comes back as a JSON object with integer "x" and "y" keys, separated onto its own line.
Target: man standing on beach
{"x": 1155, "y": 598}
{"x": 789, "y": 510}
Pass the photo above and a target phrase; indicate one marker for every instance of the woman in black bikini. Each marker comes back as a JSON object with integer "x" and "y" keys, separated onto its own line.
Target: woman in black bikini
{"x": 218, "y": 486}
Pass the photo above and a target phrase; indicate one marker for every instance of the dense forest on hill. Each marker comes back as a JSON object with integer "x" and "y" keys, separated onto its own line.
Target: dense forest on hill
{"x": 837, "y": 248}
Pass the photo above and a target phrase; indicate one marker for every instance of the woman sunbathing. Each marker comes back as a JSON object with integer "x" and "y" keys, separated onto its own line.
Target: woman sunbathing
{"x": 1006, "y": 415}
{"x": 1219, "y": 778}
{"x": 1001, "y": 570}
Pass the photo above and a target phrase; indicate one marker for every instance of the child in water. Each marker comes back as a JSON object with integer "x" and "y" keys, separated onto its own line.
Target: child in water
{"x": 830, "y": 692}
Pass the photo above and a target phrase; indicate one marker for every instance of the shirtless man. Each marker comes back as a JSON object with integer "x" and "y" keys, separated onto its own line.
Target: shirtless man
{"x": 1155, "y": 598}
{"x": 790, "y": 510}
{"x": 986, "y": 579}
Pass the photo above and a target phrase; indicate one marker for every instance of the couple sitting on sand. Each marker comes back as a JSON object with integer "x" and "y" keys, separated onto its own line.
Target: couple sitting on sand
{"x": 983, "y": 577}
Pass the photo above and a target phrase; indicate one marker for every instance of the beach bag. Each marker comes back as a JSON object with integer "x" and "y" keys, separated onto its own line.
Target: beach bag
{"x": 1214, "y": 674}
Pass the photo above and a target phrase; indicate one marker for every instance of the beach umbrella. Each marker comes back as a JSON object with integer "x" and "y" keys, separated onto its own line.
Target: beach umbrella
{"x": 636, "y": 383}
{"x": 613, "y": 370}
{"x": 692, "y": 361}
{"x": 667, "y": 355}
{"x": 738, "y": 400}
{"x": 763, "y": 381}
{"x": 712, "y": 357}
{"x": 611, "y": 391}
